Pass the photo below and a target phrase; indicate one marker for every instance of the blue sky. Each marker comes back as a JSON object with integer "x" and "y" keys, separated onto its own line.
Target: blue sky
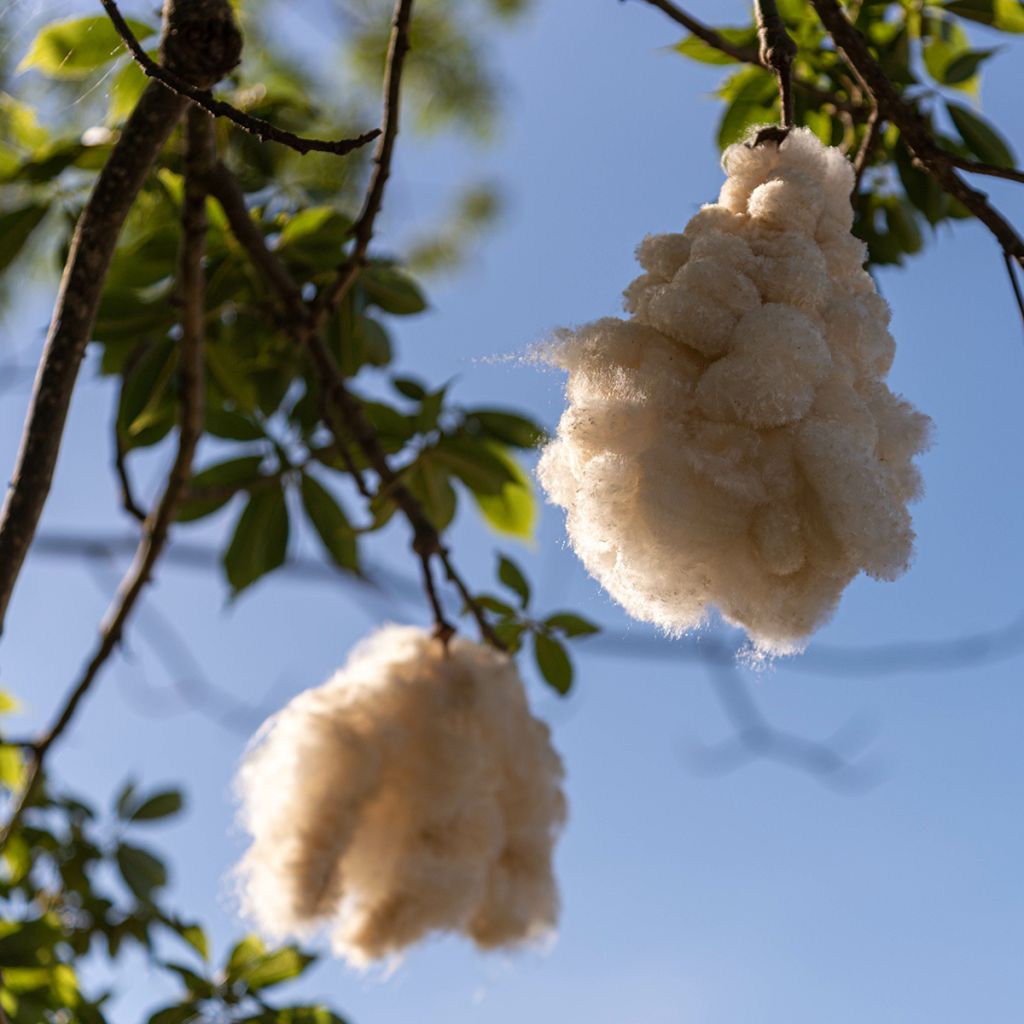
{"x": 762, "y": 896}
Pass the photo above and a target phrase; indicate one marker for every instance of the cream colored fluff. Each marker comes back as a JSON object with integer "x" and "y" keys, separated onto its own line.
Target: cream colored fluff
{"x": 734, "y": 442}
{"x": 414, "y": 792}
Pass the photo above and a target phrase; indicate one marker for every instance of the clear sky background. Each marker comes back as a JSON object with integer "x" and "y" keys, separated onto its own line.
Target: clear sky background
{"x": 762, "y": 896}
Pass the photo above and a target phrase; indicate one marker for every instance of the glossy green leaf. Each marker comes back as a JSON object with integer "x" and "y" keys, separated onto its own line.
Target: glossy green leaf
{"x": 145, "y": 387}
{"x": 224, "y": 479}
{"x": 508, "y": 427}
{"x": 181, "y": 1014}
{"x": 474, "y": 463}
{"x": 330, "y": 523}
{"x": 260, "y": 541}
{"x": 553, "y": 663}
{"x": 73, "y": 48}
{"x": 696, "y": 49}
{"x": 142, "y": 872}
{"x": 979, "y": 136}
{"x": 392, "y": 290}
{"x": 158, "y": 806}
{"x": 16, "y": 227}
{"x": 428, "y": 480}
{"x": 512, "y": 577}
{"x": 752, "y": 99}
{"x": 513, "y": 511}
{"x": 571, "y": 625}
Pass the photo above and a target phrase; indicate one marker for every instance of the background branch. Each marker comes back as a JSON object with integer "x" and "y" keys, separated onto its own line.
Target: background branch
{"x": 191, "y": 282}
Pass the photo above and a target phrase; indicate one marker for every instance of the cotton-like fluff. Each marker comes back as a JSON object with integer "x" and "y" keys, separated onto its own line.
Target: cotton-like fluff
{"x": 733, "y": 443}
{"x": 414, "y": 792}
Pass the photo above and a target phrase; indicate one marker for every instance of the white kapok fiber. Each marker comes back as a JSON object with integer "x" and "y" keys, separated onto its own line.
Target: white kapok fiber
{"x": 414, "y": 792}
{"x": 733, "y": 443}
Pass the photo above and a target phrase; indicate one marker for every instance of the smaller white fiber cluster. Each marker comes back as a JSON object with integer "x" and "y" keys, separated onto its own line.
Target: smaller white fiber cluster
{"x": 734, "y": 443}
{"x": 412, "y": 793}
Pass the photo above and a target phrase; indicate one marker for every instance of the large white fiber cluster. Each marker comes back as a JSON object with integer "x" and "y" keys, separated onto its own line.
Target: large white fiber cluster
{"x": 414, "y": 792}
{"x": 734, "y": 443}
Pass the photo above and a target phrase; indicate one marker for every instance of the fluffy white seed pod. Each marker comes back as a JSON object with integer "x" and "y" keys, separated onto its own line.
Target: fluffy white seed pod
{"x": 412, "y": 793}
{"x": 734, "y": 444}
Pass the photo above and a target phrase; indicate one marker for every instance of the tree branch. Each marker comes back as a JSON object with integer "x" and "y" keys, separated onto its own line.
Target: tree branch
{"x": 914, "y": 130}
{"x": 191, "y": 283}
{"x": 398, "y": 47}
{"x": 777, "y": 51}
{"x": 92, "y": 249}
{"x": 992, "y": 170}
{"x": 350, "y": 420}
{"x": 263, "y": 130}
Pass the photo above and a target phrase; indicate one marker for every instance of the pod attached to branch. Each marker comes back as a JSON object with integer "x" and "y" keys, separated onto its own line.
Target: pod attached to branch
{"x": 733, "y": 444}
{"x": 412, "y": 793}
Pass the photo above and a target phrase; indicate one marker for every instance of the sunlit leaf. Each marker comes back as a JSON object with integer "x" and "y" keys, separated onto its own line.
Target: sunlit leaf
{"x": 74, "y": 48}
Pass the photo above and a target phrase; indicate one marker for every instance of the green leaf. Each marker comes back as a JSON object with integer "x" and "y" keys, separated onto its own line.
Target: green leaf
{"x": 372, "y": 342}
{"x": 508, "y": 427}
{"x": 474, "y": 463}
{"x": 514, "y": 510}
{"x": 12, "y": 768}
{"x": 314, "y": 237}
{"x": 330, "y": 523}
{"x": 198, "y": 986}
{"x": 194, "y": 935}
{"x": 962, "y": 69}
{"x": 142, "y": 872}
{"x": 235, "y": 473}
{"x": 512, "y": 577}
{"x": 979, "y": 136}
{"x": 429, "y": 483}
{"x": 16, "y": 226}
{"x": 696, "y": 49}
{"x": 231, "y": 425}
{"x": 1005, "y": 15}
{"x": 752, "y": 100}
{"x": 553, "y": 662}
{"x": 251, "y": 964}
{"x": 126, "y": 89}
{"x": 260, "y": 541}
{"x": 392, "y": 290}
{"x": 144, "y": 387}
{"x": 72, "y": 49}
{"x": 160, "y": 805}
{"x": 571, "y": 624}
{"x": 231, "y": 373}
{"x": 175, "y": 1014}
{"x": 125, "y": 801}
{"x": 409, "y": 388}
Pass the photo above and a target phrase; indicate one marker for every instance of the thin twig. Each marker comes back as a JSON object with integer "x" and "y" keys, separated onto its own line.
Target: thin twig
{"x": 914, "y": 130}
{"x": 342, "y": 410}
{"x": 128, "y": 500}
{"x": 191, "y": 282}
{"x": 873, "y": 131}
{"x": 1014, "y": 284}
{"x": 443, "y": 629}
{"x": 263, "y": 130}
{"x": 398, "y": 47}
{"x": 992, "y": 170}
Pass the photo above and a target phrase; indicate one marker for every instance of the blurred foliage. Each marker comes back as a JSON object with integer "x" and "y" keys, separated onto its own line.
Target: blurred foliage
{"x": 79, "y": 886}
{"x": 930, "y": 51}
